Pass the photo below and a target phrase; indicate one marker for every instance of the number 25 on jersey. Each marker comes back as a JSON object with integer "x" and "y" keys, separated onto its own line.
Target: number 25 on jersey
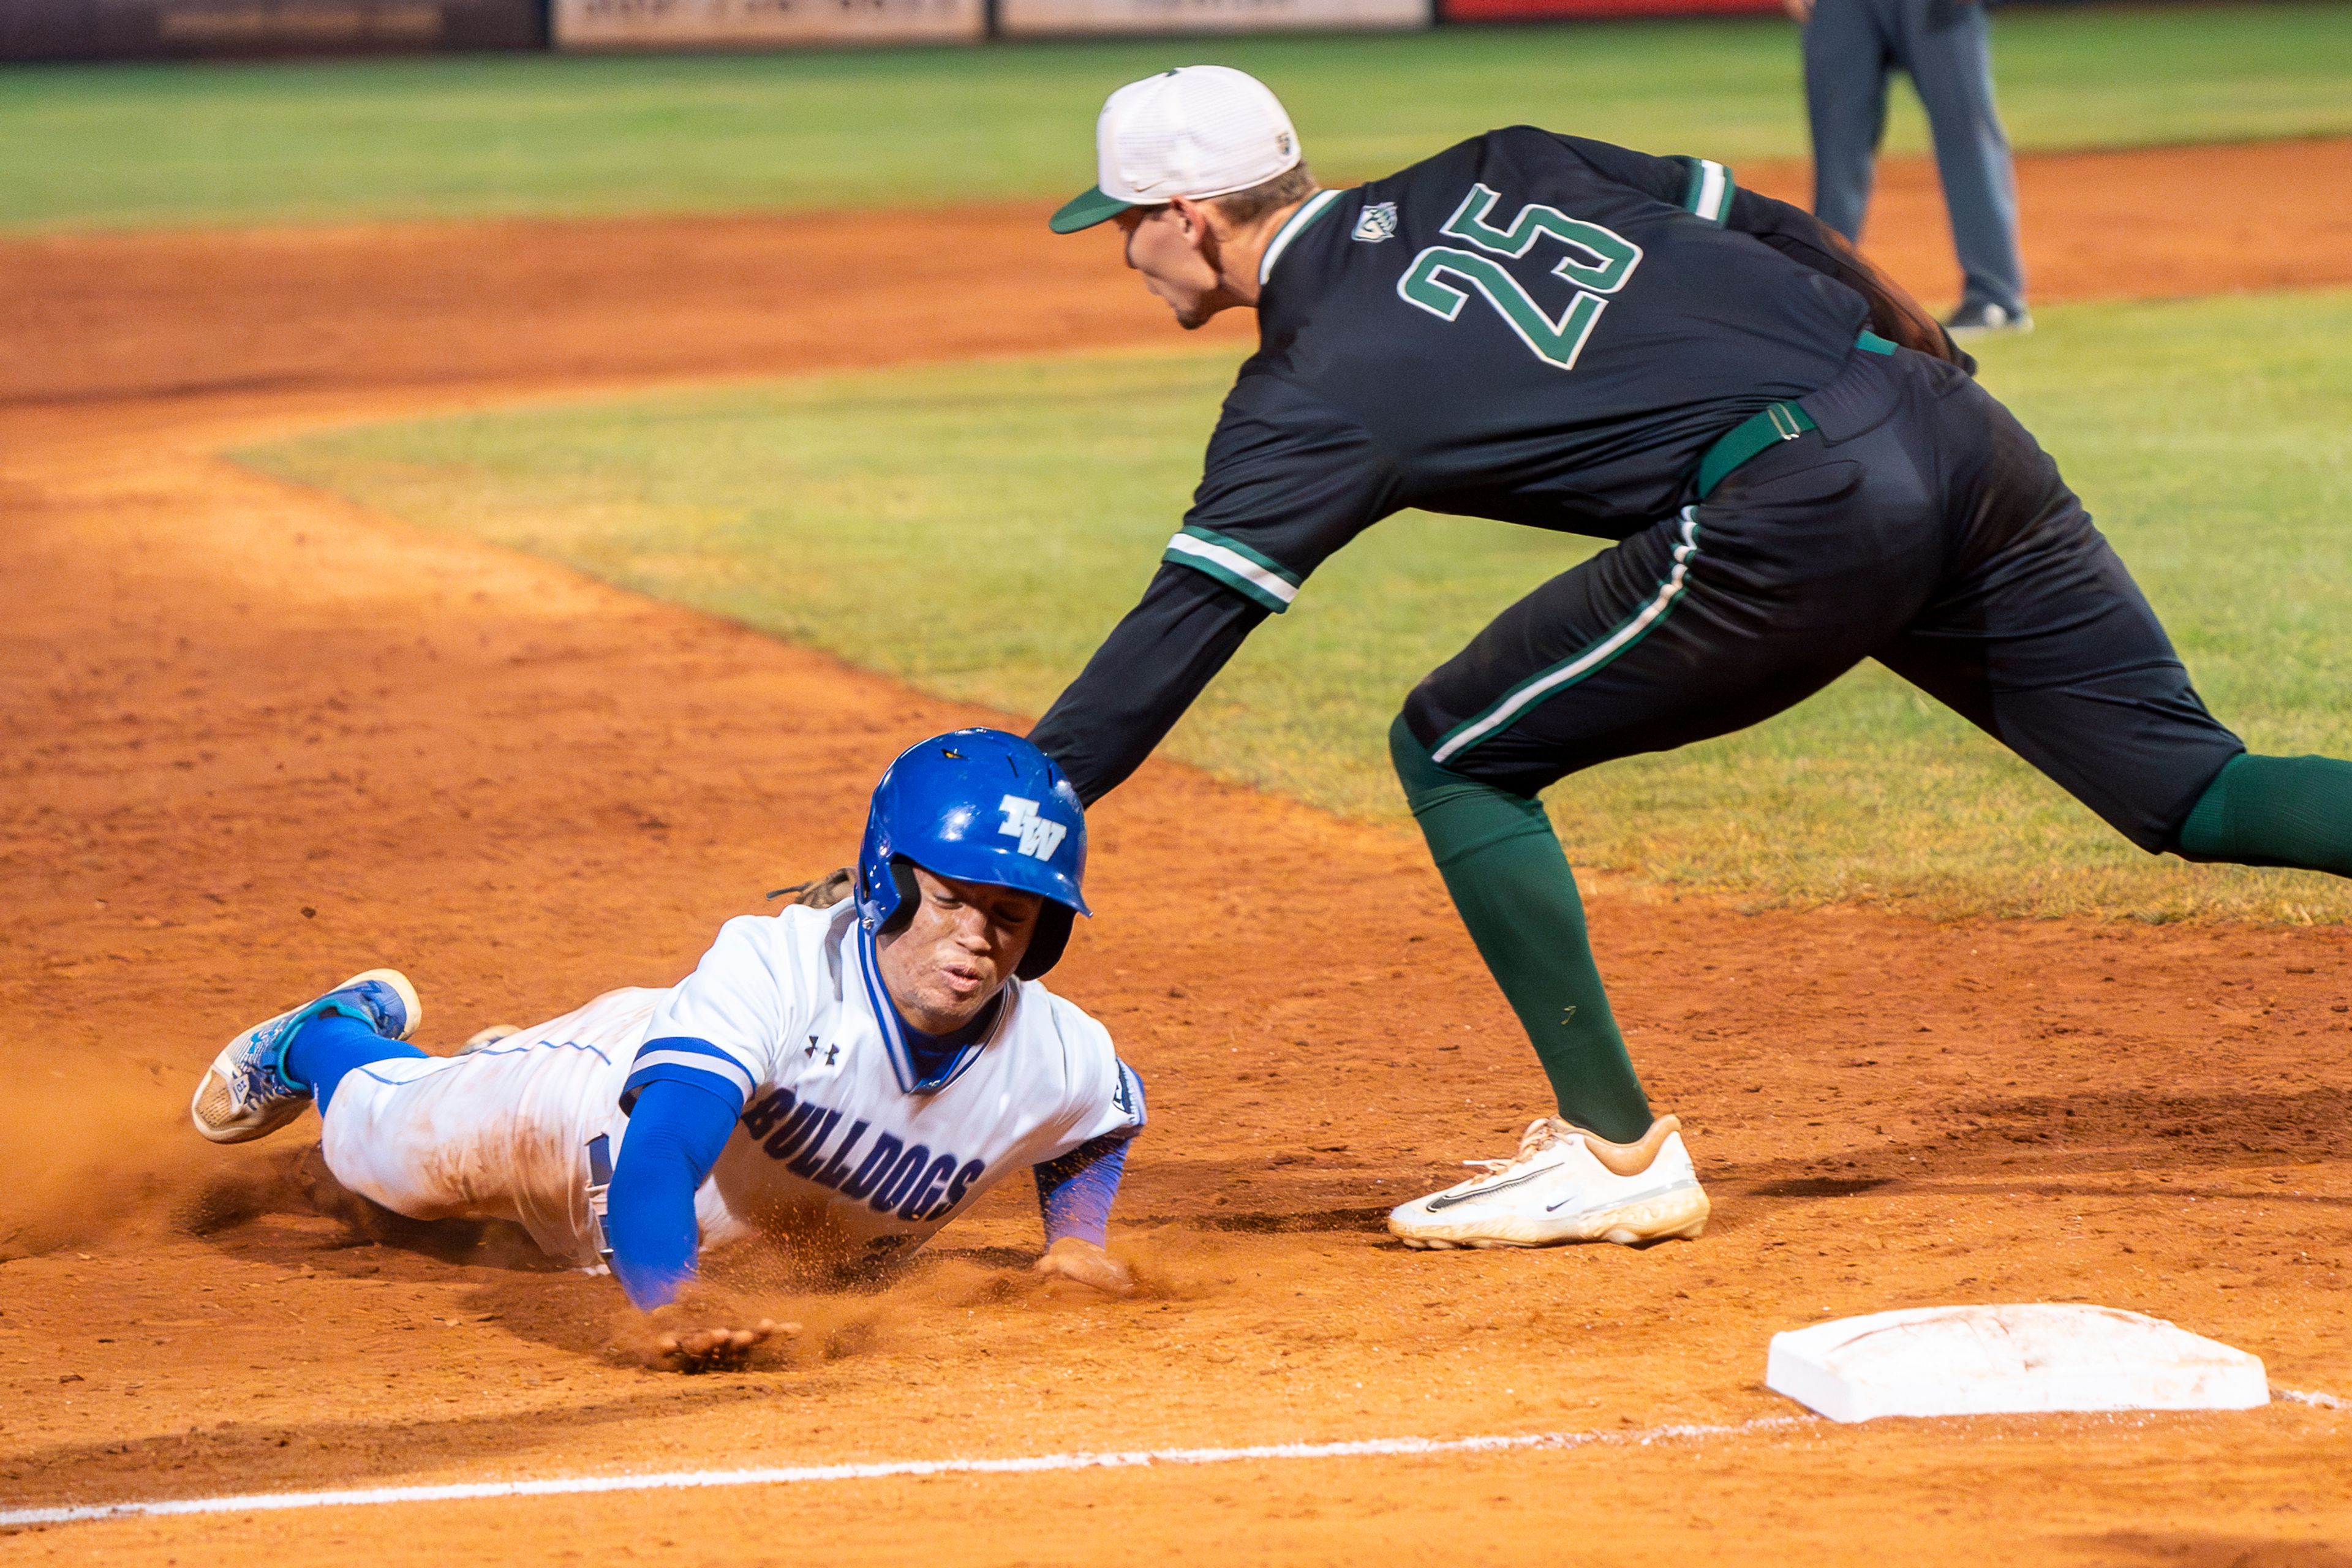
{"x": 1598, "y": 262}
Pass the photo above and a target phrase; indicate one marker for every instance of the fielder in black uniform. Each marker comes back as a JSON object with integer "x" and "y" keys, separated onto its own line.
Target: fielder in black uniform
{"x": 1793, "y": 460}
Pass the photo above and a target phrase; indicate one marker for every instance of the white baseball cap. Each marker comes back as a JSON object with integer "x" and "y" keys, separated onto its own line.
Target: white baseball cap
{"x": 1197, "y": 130}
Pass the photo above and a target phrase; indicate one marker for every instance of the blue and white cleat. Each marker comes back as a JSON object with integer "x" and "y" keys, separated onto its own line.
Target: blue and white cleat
{"x": 1566, "y": 1184}
{"x": 245, "y": 1094}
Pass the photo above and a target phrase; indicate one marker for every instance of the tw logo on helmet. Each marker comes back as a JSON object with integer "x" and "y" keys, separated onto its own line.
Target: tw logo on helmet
{"x": 1039, "y": 835}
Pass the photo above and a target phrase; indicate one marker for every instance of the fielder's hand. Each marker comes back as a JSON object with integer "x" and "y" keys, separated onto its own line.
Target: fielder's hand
{"x": 1072, "y": 1258}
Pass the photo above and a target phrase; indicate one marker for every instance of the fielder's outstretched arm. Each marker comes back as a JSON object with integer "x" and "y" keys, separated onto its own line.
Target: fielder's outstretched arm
{"x": 1288, "y": 481}
{"x": 1139, "y": 683}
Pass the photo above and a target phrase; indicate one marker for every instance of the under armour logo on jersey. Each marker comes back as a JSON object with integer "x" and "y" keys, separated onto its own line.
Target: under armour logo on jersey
{"x": 1379, "y": 223}
{"x": 1039, "y": 835}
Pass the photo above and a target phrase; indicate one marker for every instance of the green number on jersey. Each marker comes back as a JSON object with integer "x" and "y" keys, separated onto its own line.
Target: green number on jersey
{"x": 1556, "y": 342}
{"x": 1614, "y": 256}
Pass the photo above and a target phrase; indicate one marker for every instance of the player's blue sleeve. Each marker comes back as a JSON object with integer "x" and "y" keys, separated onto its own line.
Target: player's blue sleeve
{"x": 675, "y": 1135}
{"x": 680, "y": 1059}
{"x": 1075, "y": 1192}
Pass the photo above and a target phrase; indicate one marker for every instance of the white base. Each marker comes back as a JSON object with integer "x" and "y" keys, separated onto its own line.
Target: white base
{"x": 1989, "y": 1361}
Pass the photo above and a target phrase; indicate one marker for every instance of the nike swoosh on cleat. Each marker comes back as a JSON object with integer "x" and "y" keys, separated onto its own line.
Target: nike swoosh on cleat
{"x": 1447, "y": 1200}
{"x": 1618, "y": 1202}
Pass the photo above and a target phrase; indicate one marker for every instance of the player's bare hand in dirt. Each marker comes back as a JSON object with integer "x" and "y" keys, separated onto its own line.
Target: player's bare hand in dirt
{"x": 712, "y": 1348}
{"x": 1073, "y": 1259}
{"x": 681, "y": 1341}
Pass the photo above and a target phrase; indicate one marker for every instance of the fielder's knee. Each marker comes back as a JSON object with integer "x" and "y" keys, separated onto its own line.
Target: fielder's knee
{"x": 1415, "y": 768}
{"x": 1457, "y": 813}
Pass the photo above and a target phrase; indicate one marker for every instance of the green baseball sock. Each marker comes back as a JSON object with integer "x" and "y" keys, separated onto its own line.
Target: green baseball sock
{"x": 2273, "y": 811}
{"x": 1511, "y": 883}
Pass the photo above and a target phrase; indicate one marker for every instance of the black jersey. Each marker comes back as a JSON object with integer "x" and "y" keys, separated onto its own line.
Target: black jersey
{"x": 1534, "y": 328}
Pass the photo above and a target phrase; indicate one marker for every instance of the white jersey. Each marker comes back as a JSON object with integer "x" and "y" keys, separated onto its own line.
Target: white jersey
{"x": 839, "y": 1147}
{"x": 786, "y": 1017}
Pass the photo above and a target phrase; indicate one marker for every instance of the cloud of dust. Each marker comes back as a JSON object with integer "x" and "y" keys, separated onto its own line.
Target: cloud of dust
{"x": 830, "y": 1317}
{"x": 96, "y": 1159}
{"x": 104, "y": 1161}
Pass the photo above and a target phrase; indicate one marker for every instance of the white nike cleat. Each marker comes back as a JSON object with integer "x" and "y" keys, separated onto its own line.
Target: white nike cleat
{"x": 1566, "y": 1184}
{"x": 245, "y": 1094}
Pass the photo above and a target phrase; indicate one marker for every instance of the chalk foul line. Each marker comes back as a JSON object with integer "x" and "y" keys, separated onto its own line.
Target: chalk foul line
{"x": 1026, "y": 1465}
{"x": 804, "y": 1475}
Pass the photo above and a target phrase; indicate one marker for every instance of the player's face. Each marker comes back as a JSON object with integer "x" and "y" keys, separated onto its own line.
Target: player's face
{"x": 957, "y": 951}
{"x": 1167, "y": 246}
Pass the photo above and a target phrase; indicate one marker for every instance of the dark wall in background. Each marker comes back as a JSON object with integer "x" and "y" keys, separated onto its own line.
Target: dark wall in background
{"x": 181, "y": 29}
{"x": 1555, "y": 10}
{"x": 185, "y": 29}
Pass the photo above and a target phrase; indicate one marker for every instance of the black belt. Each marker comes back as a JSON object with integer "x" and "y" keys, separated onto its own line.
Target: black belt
{"x": 1769, "y": 427}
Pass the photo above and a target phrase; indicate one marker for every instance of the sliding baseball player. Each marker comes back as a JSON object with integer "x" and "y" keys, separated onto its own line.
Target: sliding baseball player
{"x": 842, "y": 1080}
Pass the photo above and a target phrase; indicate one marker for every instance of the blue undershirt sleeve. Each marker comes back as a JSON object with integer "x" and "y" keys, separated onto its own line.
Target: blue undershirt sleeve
{"x": 1076, "y": 1191}
{"x": 675, "y": 1132}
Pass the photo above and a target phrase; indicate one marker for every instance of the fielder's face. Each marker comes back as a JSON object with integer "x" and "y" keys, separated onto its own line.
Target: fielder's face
{"x": 1175, "y": 247}
{"x": 957, "y": 951}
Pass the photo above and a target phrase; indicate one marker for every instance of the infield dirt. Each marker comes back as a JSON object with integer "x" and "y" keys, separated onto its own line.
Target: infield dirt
{"x": 258, "y": 738}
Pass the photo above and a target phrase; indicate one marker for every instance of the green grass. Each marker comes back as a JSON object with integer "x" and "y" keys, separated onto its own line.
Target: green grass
{"x": 111, "y": 146}
{"x": 975, "y": 530}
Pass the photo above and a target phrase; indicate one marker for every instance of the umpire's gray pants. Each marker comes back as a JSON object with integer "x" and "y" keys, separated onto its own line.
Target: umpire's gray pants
{"x": 1850, "y": 47}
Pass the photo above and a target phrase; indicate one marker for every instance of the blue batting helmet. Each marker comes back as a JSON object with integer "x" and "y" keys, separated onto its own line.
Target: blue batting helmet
{"x": 978, "y": 806}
